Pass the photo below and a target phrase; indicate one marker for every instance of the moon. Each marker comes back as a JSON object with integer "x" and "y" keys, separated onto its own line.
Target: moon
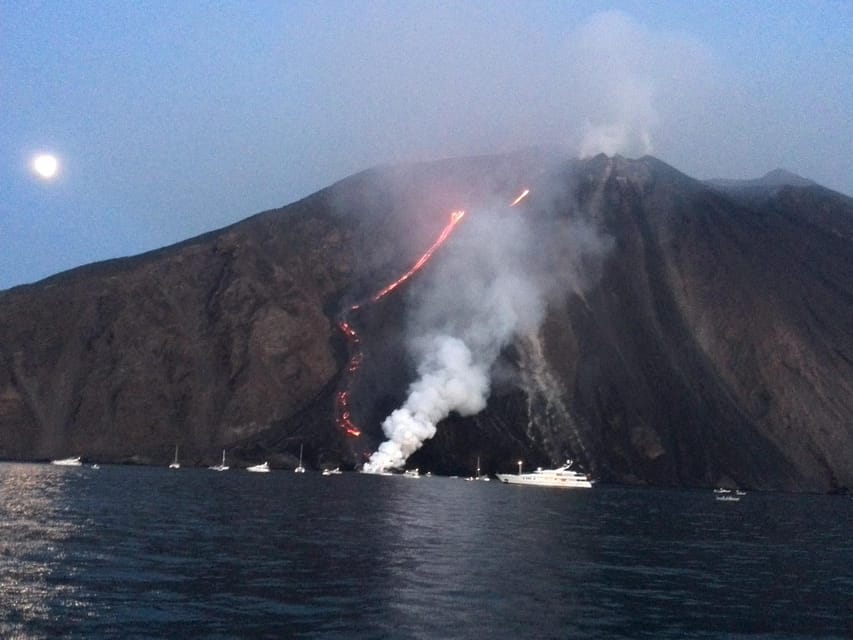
{"x": 45, "y": 165}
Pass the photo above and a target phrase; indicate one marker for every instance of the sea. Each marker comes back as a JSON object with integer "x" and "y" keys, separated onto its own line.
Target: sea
{"x": 136, "y": 552}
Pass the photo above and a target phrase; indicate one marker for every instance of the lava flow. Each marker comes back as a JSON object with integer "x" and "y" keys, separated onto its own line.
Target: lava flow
{"x": 455, "y": 217}
{"x": 343, "y": 411}
{"x": 520, "y": 197}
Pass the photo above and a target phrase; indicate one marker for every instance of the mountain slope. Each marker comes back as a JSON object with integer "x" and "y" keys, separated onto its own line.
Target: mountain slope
{"x": 709, "y": 339}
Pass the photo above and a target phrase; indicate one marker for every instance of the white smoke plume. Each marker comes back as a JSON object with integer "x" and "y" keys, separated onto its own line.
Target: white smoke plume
{"x": 488, "y": 283}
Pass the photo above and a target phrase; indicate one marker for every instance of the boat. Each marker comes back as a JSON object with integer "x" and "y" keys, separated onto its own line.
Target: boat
{"x": 721, "y": 490}
{"x": 67, "y": 462}
{"x": 300, "y": 468}
{"x": 727, "y": 497}
{"x": 412, "y": 473}
{"x": 221, "y": 466}
{"x": 478, "y": 476}
{"x": 96, "y": 466}
{"x": 175, "y": 464}
{"x": 264, "y": 467}
{"x": 562, "y": 477}
{"x": 332, "y": 472}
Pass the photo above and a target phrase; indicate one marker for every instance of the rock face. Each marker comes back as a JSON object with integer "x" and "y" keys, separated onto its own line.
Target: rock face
{"x": 710, "y": 341}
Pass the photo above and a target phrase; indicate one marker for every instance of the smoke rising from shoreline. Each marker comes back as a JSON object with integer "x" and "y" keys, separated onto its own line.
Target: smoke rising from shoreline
{"x": 489, "y": 283}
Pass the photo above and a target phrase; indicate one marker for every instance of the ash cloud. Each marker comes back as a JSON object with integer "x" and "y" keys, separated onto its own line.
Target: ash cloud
{"x": 488, "y": 284}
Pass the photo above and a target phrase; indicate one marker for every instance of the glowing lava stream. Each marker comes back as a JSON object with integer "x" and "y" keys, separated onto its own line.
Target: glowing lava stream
{"x": 520, "y": 197}
{"x": 455, "y": 217}
{"x": 342, "y": 405}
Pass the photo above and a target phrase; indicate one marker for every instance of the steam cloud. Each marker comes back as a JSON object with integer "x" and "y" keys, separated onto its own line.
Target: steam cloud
{"x": 487, "y": 284}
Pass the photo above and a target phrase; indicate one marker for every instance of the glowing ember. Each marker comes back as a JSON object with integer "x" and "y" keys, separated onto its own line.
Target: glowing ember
{"x": 520, "y": 197}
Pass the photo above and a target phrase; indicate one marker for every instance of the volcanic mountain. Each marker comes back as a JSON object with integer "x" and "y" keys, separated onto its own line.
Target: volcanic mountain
{"x": 699, "y": 333}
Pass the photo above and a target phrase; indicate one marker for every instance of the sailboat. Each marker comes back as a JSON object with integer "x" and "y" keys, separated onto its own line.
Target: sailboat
{"x": 300, "y": 468}
{"x": 479, "y": 477}
{"x": 221, "y": 466}
{"x": 175, "y": 464}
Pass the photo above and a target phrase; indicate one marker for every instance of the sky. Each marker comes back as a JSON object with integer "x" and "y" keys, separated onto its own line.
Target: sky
{"x": 172, "y": 118}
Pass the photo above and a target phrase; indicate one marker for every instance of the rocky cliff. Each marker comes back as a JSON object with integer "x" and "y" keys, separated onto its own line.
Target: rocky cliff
{"x": 707, "y": 340}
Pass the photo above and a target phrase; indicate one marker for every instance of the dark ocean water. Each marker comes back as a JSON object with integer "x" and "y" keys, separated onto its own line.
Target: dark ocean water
{"x": 125, "y": 552}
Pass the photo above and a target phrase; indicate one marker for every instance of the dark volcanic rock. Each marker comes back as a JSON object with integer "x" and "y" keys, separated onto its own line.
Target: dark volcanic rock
{"x": 711, "y": 343}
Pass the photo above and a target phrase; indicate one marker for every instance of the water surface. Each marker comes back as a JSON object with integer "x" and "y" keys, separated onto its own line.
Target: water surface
{"x": 137, "y": 552}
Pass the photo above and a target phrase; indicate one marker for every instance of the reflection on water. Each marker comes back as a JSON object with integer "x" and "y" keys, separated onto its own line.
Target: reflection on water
{"x": 36, "y": 520}
{"x": 142, "y": 552}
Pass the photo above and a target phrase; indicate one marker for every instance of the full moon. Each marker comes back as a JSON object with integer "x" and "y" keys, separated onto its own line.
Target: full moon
{"x": 45, "y": 165}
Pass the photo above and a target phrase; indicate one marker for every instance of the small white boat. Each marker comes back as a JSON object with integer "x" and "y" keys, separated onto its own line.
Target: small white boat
{"x": 221, "y": 466}
{"x": 67, "y": 462}
{"x": 264, "y": 467}
{"x": 332, "y": 472}
{"x": 175, "y": 464}
{"x": 478, "y": 476}
{"x": 727, "y": 497}
{"x": 562, "y": 477}
{"x": 412, "y": 473}
{"x": 96, "y": 466}
{"x": 300, "y": 468}
{"x": 720, "y": 490}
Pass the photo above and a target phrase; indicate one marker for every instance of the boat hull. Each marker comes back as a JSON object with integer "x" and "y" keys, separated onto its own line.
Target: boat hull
{"x": 559, "y": 482}
{"x": 67, "y": 462}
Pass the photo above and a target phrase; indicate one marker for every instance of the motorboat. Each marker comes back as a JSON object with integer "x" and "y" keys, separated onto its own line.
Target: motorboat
{"x": 332, "y": 472}
{"x": 67, "y": 462}
{"x": 221, "y": 466}
{"x": 562, "y": 477}
{"x": 264, "y": 467}
{"x": 412, "y": 473}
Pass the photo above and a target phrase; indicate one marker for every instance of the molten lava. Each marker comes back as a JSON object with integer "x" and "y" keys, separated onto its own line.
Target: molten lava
{"x": 455, "y": 217}
{"x": 342, "y": 405}
{"x": 520, "y": 197}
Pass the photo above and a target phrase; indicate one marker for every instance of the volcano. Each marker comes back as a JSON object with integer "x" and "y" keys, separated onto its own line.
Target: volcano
{"x": 707, "y": 340}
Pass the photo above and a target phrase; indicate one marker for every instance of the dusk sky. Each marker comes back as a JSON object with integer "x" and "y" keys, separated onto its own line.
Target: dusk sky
{"x": 169, "y": 119}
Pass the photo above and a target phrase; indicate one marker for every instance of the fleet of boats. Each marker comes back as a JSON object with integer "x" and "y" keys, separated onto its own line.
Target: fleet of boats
{"x": 562, "y": 477}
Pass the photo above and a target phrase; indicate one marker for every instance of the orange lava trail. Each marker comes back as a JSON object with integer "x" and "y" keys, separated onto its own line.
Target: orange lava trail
{"x": 455, "y": 217}
{"x": 343, "y": 412}
{"x": 520, "y": 197}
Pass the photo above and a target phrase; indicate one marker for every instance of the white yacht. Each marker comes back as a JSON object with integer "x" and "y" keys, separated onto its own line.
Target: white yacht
{"x": 562, "y": 477}
{"x": 221, "y": 466}
{"x": 332, "y": 472}
{"x": 264, "y": 467}
{"x": 412, "y": 473}
{"x": 67, "y": 462}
